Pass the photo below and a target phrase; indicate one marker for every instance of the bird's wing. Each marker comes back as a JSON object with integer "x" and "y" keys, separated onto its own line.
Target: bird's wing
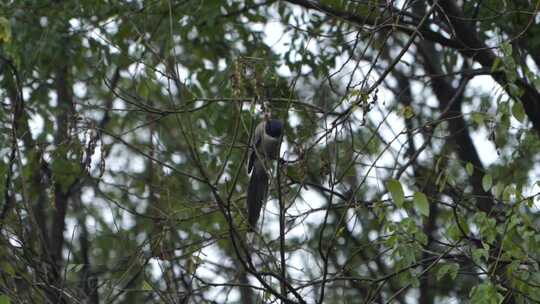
{"x": 251, "y": 161}
{"x": 255, "y": 142}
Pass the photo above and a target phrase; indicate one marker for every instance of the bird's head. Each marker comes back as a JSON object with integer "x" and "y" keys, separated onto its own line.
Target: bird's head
{"x": 274, "y": 128}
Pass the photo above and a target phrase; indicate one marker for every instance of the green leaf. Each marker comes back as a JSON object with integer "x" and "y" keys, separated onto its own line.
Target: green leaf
{"x": 75, "y": 267}
{"x": 454, "y": 233}
{"x": 513, "y": 88}
{"x": 507, "y": 193}
{"x": 498, "y": 189}
{"x": 4, "y": 299}
{"x": 7, "y": 268}
{"x": 487, "y": 182}
{"x": 396, "y": 191}
{"x": 518, "y": 111}
{"x": 485, "y": 293}
{"x": 295, "y": 172}
{"x": 496, "y": 64}
{"x": 478, "y": 117}
{"x": 450, "y": 269}
{"x": 469, "y": 168}
{"x": 441, "y": 180}
{"x": 421, "y": 203}
{"x": 479, "y": 255}
{"x": 506, "y": 48}
{"x": 340, "y": 231}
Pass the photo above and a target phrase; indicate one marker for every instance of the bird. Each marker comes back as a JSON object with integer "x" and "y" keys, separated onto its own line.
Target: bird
{"x": 265, "y": 147}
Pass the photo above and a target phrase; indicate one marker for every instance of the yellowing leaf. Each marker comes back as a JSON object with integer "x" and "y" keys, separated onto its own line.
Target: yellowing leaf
{"x": 408, "y": 112}
{"x": 5, "y": 30}
{"x": 146, "y": 286}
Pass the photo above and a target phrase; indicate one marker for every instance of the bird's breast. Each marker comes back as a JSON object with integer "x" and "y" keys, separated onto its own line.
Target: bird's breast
{"x": 270, "y": 147}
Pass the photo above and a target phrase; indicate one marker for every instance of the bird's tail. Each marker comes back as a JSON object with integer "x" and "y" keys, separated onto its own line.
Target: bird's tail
{"x": 256, "y": 195}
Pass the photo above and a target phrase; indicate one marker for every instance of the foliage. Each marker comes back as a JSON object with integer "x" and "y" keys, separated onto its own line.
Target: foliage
{"x": 408, "y": 165}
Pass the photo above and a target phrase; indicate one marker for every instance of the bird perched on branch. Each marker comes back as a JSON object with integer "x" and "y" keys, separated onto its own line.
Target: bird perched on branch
{"x": 265, "y": 147}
